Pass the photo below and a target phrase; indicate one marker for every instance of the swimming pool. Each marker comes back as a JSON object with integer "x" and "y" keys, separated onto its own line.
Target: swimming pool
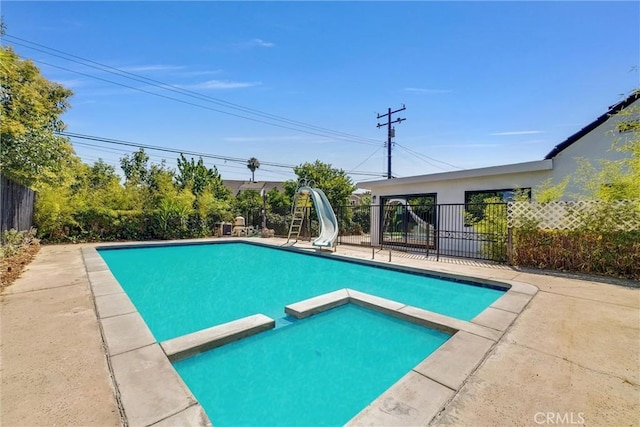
{"x": 317, "y": 371}
{"x": 185, "y": 288}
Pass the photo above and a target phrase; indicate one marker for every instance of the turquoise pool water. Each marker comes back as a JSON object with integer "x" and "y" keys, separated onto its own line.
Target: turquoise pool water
{"x": 316, "y": 372}
{"x": 185, "y": 288}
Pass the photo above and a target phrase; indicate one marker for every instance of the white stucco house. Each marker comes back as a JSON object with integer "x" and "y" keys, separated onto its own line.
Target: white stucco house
{"x": 593, "y": 142}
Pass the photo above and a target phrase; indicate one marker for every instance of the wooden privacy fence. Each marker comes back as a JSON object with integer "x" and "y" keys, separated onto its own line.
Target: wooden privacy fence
{"x": 16, "y": 209}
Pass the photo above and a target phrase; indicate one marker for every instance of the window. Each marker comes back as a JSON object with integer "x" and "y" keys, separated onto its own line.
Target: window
{"x": 476, "y": 201}
{"x": 505, "y": 195}
{"x": 402, "y": 212}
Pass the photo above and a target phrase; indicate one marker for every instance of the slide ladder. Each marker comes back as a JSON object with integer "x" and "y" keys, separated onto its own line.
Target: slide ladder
{"x": 300, "y": 208}
{"x": 388, "y": 209}
{"x": 327, "y": 220}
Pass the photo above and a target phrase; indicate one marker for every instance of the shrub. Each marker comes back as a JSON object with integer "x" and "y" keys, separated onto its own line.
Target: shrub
{"x": 279, "y": 223}
{"x": 614, "y": 254}
{"x": 13, "y": 241}
{"x": 490, "y": 222}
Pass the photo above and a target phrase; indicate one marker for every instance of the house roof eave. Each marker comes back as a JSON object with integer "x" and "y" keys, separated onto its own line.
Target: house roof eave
{"x": 534, "y": 166}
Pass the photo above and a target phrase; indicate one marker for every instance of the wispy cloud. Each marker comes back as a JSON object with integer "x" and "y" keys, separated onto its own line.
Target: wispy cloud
{"x": 517, "y": 132}
{"x": 200, "y": 73}
{"x": 152, "y": 67}
{"x": 71, "y": 83}
{"x": 467, "y": 145}
{"x": 488, "y": 144}
{"x": 427, "y": 91}
{"x": 262, "y": 43}
{"x": 220, "y": 84}
{"x": 254, "y": 43}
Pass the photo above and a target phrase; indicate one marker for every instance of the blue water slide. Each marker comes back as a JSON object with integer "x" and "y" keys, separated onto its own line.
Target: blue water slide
{"x": 326, "y": 218}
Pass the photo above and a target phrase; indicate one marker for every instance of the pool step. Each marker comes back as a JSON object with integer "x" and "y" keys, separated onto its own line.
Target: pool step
{"x": 197, "y": 342}
{"x": 285, "y": 321}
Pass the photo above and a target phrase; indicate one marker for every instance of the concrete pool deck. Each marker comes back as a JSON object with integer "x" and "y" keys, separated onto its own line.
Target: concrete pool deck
{"x": 570, "y": 357}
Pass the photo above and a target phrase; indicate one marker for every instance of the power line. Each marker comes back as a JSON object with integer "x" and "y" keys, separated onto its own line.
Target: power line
{"x": 362, "y": 162}
{"x": 198, "y": 105}
{"x": 423, "y": 157}
{"x": 176, "y": 89}
{"x": 116, "y": 162}
{"x": 412, "y": 157}
{"x": 186, "y": 152}
{"x": 164, "y": 149}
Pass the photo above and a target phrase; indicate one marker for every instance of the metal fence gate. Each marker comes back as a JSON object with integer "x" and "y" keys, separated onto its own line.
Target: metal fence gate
{"x": 477, "y": 231}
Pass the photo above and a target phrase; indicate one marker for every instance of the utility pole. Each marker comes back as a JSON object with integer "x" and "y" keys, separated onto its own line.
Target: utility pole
{"x": 390, "y": 134}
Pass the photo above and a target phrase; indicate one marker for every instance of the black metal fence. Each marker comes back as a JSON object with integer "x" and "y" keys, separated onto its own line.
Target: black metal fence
{"x": 16, "y": 209}
{"x": 476, "y": 231}
{"x": 471, "y": 230}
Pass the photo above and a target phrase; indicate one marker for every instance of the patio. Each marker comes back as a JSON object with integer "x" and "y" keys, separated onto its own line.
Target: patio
{"x": 571, "y": 356}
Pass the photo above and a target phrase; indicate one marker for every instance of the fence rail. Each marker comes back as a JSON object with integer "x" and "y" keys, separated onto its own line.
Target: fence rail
{"x": 16, "y": 209}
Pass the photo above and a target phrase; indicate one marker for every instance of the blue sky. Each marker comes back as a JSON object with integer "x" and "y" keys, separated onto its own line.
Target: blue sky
{"x": 484, "y": 83}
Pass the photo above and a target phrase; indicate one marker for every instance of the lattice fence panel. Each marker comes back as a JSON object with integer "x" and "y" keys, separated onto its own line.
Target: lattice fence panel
{"x": 572, "y": 215}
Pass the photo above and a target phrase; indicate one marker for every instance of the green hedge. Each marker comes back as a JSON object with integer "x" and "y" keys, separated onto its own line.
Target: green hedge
{"x": 614, "y": 254}
{"x": 91, "y": 225}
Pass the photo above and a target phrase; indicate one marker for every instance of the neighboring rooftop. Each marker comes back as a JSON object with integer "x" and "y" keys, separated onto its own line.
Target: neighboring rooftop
{"x": 236, "y": 186}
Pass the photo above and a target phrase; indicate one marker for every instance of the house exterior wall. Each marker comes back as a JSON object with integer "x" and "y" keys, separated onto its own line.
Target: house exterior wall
{"x": 597, "y": 144}
{"x": 452, "y": 191}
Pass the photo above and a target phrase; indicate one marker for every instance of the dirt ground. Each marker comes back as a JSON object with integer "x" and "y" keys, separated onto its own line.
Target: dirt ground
{"x": 12, "y": 267}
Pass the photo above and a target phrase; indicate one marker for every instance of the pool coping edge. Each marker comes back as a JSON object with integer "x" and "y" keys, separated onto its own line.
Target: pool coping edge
{"x": 203, "y": 340}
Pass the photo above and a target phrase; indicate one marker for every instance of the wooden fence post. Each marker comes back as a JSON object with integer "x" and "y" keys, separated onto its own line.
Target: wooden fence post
{"x": 510, "y": 245}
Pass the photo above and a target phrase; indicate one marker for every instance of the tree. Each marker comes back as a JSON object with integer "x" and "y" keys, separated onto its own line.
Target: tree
{"x": 253, "y": 164}
{"x": 135, "y": 167}
{"x": 195, "y": 176}
{"x": 616, "y": 179}
{"x": 98, "y": 187}
{"x": 30, "y": 152}
{"x": 57, "y": 201}
{"x": 212, "y": 202}
{"x": 547, "y": 192}
{"x": 278, "y": 202}
{"x": 334, "y": 182}
{"x": 102, "y": 175}
{"x": 200, "y": 178}
{"x": 248, "y": 202}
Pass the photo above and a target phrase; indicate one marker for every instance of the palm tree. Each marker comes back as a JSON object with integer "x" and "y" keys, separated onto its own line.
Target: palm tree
{"x": 253, "y": 164}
